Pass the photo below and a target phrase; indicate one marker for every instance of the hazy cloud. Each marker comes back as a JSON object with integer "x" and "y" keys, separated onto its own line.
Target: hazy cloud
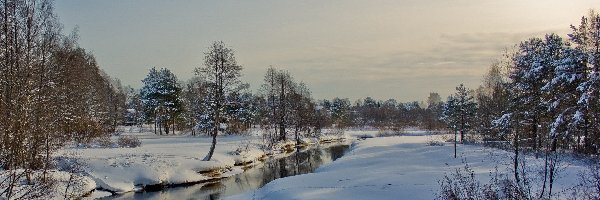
{"x": 384, "y": 49}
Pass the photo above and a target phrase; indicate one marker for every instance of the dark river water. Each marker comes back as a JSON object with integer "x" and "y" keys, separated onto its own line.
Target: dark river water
{"x": 305, "y": 161}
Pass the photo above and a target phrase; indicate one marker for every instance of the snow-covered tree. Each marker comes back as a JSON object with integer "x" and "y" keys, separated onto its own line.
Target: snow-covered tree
{"x": 340, "y": 112}
{"x": 241, "y": 111}
{"x": 534, "y": 65}
{"x": 459, "y": 111}
{"x": 492, "y": 99}
{"x": 52, "y": 92}
{"x": 221, "y": 73}
{"x": 277, "y": 90}
{"x": 586, "y": 38}
{"x": 160, "y": 95}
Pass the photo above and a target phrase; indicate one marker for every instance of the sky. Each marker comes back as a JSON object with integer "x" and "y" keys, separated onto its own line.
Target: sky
{"x": 400, "y": 49}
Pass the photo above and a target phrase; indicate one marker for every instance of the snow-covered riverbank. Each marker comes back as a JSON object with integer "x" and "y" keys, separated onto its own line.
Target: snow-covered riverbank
{"x": 168, "y": 160}
{"x": 401, "y": 167}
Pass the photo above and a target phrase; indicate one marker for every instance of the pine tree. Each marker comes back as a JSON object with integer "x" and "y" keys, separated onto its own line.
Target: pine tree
{"x": 586, "y": 38}
{"x": 160, "y": 95}
{"x": 340, "y": 112}
{"x": 459, "y": 113}
{"x": 450, "y": 116}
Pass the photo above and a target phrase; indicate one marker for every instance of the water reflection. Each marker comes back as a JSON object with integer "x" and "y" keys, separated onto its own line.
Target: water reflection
{"x": 301, "y": 162}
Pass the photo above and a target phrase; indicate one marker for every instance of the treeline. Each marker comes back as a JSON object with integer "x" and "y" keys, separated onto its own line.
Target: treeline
{"x": 282, "y": 106}
{"x": 51, "y": 92}
{"x": 543, "y": 98}
{"x": 545, "y": 94}
{"x": 215, "y": 102}
{"x": 52, "y": 89}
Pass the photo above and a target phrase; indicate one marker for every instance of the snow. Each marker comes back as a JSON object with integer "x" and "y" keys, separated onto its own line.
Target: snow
{"x": 406, "y": 166}
{"x": 162, "y": 160}
{"x": 172, "y": 159}
{"x": 401, "y": 167}
{"x": 65, "y": 184}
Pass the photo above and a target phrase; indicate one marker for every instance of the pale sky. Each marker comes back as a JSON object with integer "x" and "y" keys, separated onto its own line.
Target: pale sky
{"x": 401, "y": 49}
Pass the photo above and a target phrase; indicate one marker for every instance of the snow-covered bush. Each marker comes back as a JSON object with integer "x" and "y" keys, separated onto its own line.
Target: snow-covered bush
{"x": 461, "y": 184}
{"x": 129, "y": 141}
{"x": 102, "y": 142}
{"x": 435, "y": 143}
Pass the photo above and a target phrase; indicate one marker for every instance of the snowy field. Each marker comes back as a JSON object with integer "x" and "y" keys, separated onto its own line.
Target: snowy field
{"x": 400, "y": 167}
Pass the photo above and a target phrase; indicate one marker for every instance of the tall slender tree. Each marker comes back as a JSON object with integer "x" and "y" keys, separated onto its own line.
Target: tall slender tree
{"x": 460, "y": 111}
{"x": 222, "y": 75}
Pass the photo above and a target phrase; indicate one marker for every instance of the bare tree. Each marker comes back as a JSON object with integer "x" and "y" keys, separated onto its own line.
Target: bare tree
{"x": 222, "y": 74}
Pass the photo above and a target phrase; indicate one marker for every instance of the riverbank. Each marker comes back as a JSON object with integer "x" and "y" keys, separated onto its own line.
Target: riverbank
{"x": 398, "y": 167}
{"x": 169, "y": 160}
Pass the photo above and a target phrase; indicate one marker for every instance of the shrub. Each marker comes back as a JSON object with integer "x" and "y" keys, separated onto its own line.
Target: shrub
{"x": 461, "y": 184}
{"x": 435, "y": 143}
{"x": 104, "y": 142}
{"x": 129, "y": 141}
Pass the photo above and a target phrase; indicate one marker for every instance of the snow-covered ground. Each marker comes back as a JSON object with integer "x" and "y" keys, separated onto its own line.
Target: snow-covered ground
{"x": 400, "y": 167}
{"x": 383, "y": 166}
{"x": 166, "y": 160}
{"x": 160, "y": 160}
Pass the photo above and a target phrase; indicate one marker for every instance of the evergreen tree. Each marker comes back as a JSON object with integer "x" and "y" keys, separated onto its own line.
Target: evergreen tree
{"x": 340, "y": 112}
{"x": 459, "y": 112}
{"x": 450, "y": 116}
{"x": 586, "y": 38}
{"x": 160, "y": 95}
{"x": 493, "y": 100}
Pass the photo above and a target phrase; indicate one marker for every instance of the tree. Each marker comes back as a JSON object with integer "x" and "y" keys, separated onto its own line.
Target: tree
{"x": 433, "y": 112}
{"x": 492, "y": 99}
{"x": 222, "y": 74}
{"x": 460, "y": 111}
{"x": 340, "y": 112}
{"x": 302, "y": 108}
{"x": 450, "y": 116}
{"x": 277, "y": 90}
{"x": 240, "y": 111}
{"x": 433, "y": 100}
{"x": 52, "y": 92}
{"x": 160, "y": 95}
{"x": 135, "y": 108}
{"x": 586, "y": 38}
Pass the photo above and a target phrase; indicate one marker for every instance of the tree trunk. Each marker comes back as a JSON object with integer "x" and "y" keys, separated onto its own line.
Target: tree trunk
{"x": 516, "y": 160}
{"x": 545, "y": 173}
{"x": 534, "y": 131}
{"x": 282, "y": 111}
{"x": 455, "y": 138}
{"x": 297, "y": 138}
{"x": 462, "y": 128}
{"x": 217, "y": 122}
{"x": 212, "y": 146}
{"x": 159, "y": 128}
{"x": 552, "y": 165}
{"x": 166, "y": 127}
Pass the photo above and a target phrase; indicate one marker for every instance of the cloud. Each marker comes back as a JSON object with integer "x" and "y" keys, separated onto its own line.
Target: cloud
{"x": 452, "y": 59}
